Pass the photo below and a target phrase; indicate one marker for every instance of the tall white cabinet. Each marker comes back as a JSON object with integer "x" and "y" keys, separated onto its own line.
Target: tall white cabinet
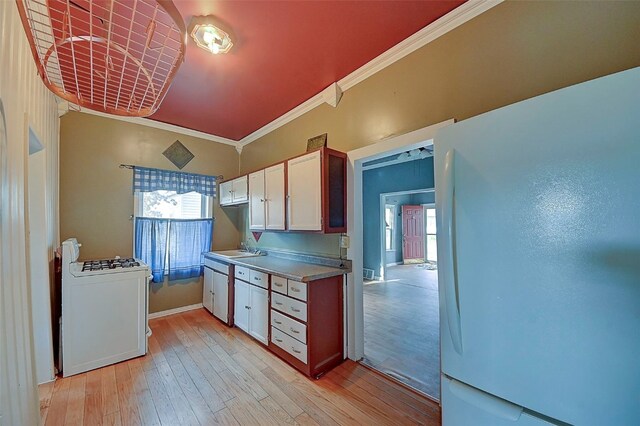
{"x": 267, "y": 198}
{"x": 304, "y": 189}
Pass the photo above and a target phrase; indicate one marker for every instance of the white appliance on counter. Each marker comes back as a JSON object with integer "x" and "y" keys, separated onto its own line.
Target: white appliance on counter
{"x": 104, "y": 310}
{"x": 538, "y": 209}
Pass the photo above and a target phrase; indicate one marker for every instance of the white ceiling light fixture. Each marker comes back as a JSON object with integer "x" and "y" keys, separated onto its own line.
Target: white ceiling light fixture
{"x": 208, "y": 33}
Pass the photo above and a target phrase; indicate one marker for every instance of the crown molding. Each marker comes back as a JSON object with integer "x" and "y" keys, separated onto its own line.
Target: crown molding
{"x": 437, "y": 28}
{"x": 160, "y": 125}
{"x": 441, "y": 26}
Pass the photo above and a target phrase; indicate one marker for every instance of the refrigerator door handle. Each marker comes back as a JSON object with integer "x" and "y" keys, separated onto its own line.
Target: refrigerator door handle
{"x": 450, "y": 285}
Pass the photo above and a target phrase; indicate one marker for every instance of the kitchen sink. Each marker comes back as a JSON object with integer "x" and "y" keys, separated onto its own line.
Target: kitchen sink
{"x": 235, "y": 253}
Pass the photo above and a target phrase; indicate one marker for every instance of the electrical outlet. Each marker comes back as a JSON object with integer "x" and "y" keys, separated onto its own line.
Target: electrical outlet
{"x": 344, "y": 241}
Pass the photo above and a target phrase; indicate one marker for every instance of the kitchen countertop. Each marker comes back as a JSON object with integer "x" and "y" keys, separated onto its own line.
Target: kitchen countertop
{"x": 291, "y": 269}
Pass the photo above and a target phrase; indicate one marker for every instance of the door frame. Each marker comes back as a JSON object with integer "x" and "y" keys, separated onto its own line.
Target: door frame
{"x": 383, "y": 202}
{"x": 355, "y": 158}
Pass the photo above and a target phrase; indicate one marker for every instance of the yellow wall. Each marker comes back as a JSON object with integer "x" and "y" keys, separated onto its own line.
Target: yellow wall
{"x": 27, "y": 103}
{"x": 514, "y": 51}
{"x": 96, "y": 199}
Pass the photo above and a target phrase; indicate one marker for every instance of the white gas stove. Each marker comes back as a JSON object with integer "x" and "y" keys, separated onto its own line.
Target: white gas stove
{"x": 104, "y": 310}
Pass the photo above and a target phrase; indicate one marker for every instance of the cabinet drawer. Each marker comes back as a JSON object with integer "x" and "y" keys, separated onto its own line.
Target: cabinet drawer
{"x": 259, "y": 278}
{"x": 242, "y": 273}
{"x": 298, "y": 290}
{"x": 289, "y": 344}
{"x": 289, "y": 306}
{"x": 293, "y": 328}
{"x": 216, "y": 266}
{"x": 279, "y": 284}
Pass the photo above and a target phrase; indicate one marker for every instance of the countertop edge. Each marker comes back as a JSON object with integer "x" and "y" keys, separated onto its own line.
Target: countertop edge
{"x": 241, "y": 261}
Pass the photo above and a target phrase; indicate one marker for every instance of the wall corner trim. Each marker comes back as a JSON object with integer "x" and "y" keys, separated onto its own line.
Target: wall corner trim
{"x": 175, "y": 311}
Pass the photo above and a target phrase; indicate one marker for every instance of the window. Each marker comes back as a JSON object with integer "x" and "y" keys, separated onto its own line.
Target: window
{"x": 172, "y": 232}
{"x": 390, "y": 225}
{"x": 169, "y": 205}
{"x": 432, "y": 246}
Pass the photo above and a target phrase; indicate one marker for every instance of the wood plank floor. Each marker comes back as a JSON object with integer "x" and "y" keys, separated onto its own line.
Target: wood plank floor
{"x": 199, "y": 372}
{"x": 401, "y": 327}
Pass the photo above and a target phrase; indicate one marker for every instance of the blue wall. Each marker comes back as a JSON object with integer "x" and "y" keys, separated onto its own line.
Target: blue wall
{"x": 395, "y": 178}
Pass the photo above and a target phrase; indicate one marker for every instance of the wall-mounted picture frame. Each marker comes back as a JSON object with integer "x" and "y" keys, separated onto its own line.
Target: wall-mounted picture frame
{"x": 317, "y": 142}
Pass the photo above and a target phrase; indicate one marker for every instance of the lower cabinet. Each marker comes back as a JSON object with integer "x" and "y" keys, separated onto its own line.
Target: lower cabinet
{"x": 215, "y": 290}
{"x": 207, "y": 290}
{"x": 301, "y": 322}
{"x": 251, "y": 312}
{"x": 306, "y": 323}
{"x": 221, "y": 296}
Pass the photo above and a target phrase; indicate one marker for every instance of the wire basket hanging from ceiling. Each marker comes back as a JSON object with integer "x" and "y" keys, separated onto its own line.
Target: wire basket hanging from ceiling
{"x": 114, "y": 56}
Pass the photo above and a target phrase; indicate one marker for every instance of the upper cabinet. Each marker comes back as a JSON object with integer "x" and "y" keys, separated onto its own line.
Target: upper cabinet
{"x": 304, "y": 188}
{"x": 305, "y": 193}
{"x": 316, "y": 192}
{"x": 234, "y": 191}
{"x": 267, "y": 199}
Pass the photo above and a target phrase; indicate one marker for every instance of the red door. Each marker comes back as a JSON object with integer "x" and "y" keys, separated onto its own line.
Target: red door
{"x": 412, "y": 234}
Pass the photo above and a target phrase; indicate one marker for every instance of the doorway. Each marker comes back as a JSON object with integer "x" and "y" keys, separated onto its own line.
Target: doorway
{"x": 416, "y": 139}
{"x": 401, "y": 306}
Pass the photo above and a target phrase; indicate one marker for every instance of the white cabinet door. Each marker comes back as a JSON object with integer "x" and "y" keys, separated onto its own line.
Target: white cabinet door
{"x": 256, "y": 200}
{"x": 220, "y": 296}
{"x": 259, "y": 313}
{"x": 226, "y": 193}
{"x": 304, "y": 186}
{"x": 207, "y": 290}
{"x": 274, "y": 197}
{"x": 241, "y": 305}
{"x": 239, "y": 189}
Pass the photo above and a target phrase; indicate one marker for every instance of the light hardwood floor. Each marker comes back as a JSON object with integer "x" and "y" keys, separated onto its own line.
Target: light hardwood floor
{"x": 401, "y": 327}
{"x": 201, "y": 372}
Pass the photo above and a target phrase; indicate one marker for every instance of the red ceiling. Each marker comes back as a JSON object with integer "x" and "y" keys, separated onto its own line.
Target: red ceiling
{"x": 284, "y": 53}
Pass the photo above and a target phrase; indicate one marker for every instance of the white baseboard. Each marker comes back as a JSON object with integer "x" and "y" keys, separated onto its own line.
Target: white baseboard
{"x": 175, "y": 311}
{"x": 394, "y": 264}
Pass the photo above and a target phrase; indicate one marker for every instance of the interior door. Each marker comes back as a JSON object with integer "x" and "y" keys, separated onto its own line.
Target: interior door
{"x": 256, "y": 200}
{"x": 538, "y": 207}
{"x": 412, "y": 234}
{"x": 274, "y": 197}
{"x": 259, "y": 313}
{"x": 221, "y": 296}
{"x": 207, "y": 289}
{"x": 241, "y": 305}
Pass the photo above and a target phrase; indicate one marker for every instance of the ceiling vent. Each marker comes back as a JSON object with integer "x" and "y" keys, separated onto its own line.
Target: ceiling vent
{"x": 113, "y": 56}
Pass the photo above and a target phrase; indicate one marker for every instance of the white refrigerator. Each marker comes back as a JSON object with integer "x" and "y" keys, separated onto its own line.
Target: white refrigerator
{"x": 538, "y": 208}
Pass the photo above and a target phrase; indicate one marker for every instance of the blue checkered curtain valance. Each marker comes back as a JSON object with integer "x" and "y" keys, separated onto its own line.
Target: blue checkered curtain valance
{"x": 149, "y": 180}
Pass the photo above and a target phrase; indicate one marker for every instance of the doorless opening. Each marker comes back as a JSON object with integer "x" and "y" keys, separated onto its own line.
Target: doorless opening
{"x": 397, "y": 145}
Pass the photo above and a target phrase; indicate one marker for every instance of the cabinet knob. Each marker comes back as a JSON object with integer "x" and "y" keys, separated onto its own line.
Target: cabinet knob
{"x": 247, "y": 307}
{"x": 294, "y": 331}
{"x": 295, "y": 350}
{"x": 262, "y": 200}
{"x": 295, "y": 310}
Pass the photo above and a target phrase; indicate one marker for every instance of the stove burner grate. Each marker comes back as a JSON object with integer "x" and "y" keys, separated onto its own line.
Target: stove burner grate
{"x": 99, "y": 265}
